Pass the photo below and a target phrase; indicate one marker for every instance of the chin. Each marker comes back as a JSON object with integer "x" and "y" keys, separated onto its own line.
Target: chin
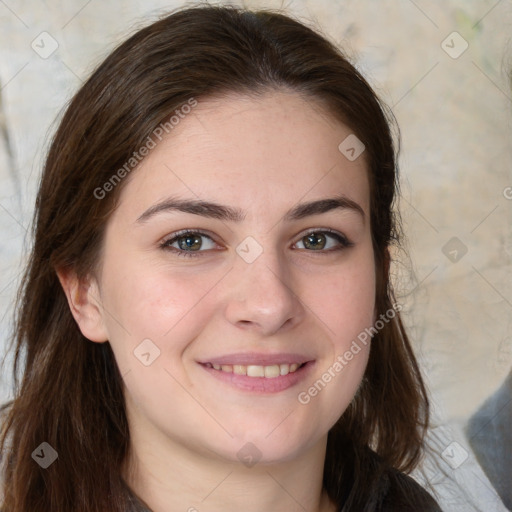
{"x": 271, "y": 448}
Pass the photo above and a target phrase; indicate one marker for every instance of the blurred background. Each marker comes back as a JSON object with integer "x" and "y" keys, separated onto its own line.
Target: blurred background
{"x": 443, "y": 68}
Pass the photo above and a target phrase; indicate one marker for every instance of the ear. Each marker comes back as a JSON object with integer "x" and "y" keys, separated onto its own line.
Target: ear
{"x": 85, "y": 304}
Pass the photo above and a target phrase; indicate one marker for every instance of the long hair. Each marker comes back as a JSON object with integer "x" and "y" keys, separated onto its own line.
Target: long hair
{"x": 70, "y": 395}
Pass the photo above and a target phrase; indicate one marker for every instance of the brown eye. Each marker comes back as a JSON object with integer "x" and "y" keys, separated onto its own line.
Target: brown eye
{"x": 315, "y": 241}
{"x": 319, "y": 241}
{"x": 190, "y": 242}
{"x": 186, "y": 243}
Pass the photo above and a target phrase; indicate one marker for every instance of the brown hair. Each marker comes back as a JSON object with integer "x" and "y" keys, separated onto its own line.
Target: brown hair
{"x": 70, "y": 394}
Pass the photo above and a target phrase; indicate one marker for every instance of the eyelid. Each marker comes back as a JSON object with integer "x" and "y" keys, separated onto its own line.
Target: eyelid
{"x": 187, "y": 231}
{"x": 341, "y": 237}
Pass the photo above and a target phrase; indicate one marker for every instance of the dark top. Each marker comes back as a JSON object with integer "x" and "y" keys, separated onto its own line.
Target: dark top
{"x": 396, "y": 492}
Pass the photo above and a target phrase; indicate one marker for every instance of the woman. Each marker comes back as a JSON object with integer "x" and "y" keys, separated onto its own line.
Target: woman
{"x": 207, "y": 313}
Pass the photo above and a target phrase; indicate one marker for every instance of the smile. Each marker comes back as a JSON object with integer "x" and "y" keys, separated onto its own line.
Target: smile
{"x": 262, "y": 378}
{"x": 269, "y": 372}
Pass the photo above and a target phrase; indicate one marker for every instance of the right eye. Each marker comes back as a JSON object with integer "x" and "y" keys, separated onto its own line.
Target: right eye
{"x": 186, "y": 243}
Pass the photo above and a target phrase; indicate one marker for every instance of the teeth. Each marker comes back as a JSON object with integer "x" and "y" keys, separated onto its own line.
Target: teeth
{"x": 255, "y": 371}
{"x": 269, "y": 372}
{"x": 272, "y": 372}
{"x": 239, "y": 369}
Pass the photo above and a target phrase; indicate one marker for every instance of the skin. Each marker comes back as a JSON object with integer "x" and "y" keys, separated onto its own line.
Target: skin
{"x": 264, "y": 155}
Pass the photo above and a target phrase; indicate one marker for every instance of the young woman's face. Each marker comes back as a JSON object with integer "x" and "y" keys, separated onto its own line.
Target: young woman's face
{"x": 260, "y": 285}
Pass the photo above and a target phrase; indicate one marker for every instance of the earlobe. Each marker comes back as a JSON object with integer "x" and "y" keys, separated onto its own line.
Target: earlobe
{"x": 85, "y": 304}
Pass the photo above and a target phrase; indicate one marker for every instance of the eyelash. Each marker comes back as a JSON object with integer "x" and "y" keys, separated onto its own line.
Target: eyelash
{"x": 166, "y": 244}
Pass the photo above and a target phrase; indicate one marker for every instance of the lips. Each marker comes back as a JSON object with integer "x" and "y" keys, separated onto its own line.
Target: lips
{"x": 260, "y": 373}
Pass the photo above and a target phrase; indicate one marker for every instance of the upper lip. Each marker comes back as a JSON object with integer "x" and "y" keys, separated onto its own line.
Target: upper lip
{"x": 255, "y": 359}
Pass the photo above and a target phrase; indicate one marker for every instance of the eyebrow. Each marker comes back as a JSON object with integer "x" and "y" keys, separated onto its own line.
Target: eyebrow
{"x": 228, "y": 213}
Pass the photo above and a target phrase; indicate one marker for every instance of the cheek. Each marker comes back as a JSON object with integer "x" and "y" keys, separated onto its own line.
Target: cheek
{"x": 345, "y": 301}
{"x": 149, "y": 302}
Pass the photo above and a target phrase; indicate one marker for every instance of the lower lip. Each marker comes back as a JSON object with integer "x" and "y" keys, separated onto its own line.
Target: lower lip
{"x": 261, "y": 384}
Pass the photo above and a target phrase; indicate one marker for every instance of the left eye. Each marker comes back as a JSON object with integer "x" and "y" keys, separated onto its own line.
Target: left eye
{"x": 318, "y": 240}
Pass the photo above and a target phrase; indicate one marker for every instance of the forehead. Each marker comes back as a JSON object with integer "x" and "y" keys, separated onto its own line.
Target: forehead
{"x": 268, "y": 151}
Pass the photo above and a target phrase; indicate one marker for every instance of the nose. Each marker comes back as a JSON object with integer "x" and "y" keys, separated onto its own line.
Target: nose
{"x": 261, "y": 296}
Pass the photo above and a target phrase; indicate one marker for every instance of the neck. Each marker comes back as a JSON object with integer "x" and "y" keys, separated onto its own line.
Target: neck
{"x": 170, "y": 476}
